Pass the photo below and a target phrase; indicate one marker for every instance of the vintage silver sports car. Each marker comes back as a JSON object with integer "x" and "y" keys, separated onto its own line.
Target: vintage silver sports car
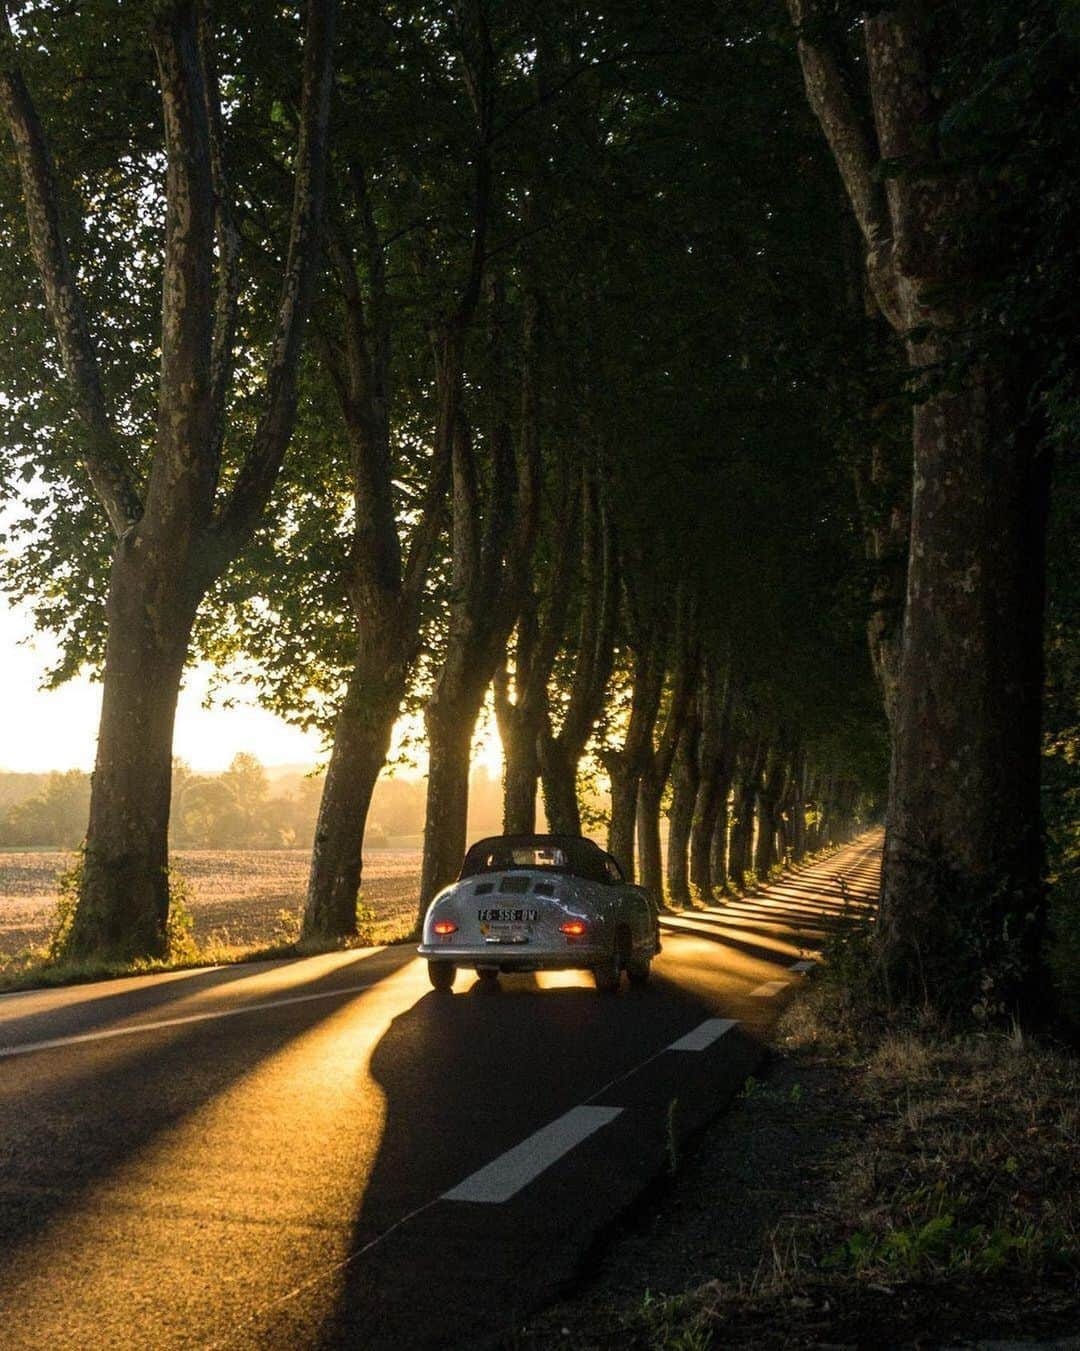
{"x": 540, "y": 902}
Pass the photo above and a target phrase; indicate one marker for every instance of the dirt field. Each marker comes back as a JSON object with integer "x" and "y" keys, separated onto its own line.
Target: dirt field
{"x": 241, "y": 897}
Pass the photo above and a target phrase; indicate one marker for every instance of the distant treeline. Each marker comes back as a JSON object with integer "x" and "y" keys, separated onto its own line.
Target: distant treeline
{"x": 244, "y": 807}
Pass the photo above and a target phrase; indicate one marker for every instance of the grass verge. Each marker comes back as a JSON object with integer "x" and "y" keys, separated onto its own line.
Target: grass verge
{"x": 935, "y": 1201}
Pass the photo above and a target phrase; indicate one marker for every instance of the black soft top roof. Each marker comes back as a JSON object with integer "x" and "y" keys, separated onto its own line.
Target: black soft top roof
{"x": 584, "y": 857}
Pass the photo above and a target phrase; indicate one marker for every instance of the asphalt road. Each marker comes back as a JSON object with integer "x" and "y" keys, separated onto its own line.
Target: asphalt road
{"x": 325, "y": 1152}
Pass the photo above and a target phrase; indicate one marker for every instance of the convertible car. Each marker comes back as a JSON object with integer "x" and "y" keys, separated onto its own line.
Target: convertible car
{"x": 540, "y": 902}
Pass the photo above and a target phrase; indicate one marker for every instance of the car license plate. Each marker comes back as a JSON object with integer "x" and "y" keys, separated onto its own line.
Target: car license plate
{"x": 506, "y": 914}
{"x": 506, "y": 933}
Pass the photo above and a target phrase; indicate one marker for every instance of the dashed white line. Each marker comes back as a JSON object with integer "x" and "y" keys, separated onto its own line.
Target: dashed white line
{"x": 770, "y": 988}
{"x": 703, "y": 1036}
{"x": 505, "y": 1176}
{"x": 130, "y": 1030}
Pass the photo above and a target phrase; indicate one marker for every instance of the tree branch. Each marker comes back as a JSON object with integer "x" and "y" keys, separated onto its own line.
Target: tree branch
{"x": 255, "y": 482}
{"x": 103, "y": 456}
{"x": 853, "y": 146}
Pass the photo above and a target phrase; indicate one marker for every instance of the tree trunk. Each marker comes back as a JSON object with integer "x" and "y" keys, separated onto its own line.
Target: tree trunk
{"x": 686, "y": 776}
{"x": 362, "y": 734}
{"x": 769, "y": 797}
{"x": 718, "y": 858}
{"x": 558, "y": 769}
{"x": 620, "y": 843}
{"x": 650, "y": 793}
{"x": 124, "y": 897}
{"x": 717, "y": 761}
{"x": 742, "y": 833}
{"x": 521, "y": 780}
{"x": 449, "y": 733}
{"x": 797, "y": 808}
{"x": 962, "y": 902}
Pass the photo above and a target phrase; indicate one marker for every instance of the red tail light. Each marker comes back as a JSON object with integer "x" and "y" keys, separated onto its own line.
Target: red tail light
{"x": 445, "y": 926}
{"x": 573, "y": 928}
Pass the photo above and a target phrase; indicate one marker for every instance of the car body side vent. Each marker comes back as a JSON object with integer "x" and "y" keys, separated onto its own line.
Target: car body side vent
{"x": 515, "y": 885}
{"x": 483, "y": 888}
{"x": 543, "y": 889}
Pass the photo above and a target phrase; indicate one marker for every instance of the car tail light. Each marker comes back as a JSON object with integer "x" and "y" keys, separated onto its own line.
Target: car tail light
{"x": 573, "y": 928}
{"x": 444, "y": 926}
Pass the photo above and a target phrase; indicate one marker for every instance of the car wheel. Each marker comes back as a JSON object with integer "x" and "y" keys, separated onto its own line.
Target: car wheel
{"x": 638, "y": 970}
{"x": 441, "y": 974}
{"x": 607, "y": 974}
{"x": 488, "y": 974}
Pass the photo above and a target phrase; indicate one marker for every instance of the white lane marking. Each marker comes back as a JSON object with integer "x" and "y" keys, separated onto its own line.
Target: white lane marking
{"x": 702, "y": 1036}
{"x": 770, "y": 987}
{"x": 105, "y": 1034}
{"x": 505, "y": 1176}
{"x": 802, "y": 966}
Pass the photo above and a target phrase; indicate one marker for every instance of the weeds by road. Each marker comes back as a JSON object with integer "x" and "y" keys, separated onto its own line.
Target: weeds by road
{"x": 913, "y": 1190}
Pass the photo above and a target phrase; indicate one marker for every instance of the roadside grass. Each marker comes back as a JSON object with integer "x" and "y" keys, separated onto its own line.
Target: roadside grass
{"x": 951, "y": 1206}
{"x": 221, "y": 883}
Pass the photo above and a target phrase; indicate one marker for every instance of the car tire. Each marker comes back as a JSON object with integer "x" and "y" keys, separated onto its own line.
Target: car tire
{"x": 488, "y": 974}
{"x": 608, "y": 973}
{"x": 442, "y": 974}
{"x": 637, "y": 969}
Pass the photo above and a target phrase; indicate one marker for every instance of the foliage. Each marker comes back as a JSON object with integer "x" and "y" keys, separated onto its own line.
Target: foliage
{"x": 181, "y": 946}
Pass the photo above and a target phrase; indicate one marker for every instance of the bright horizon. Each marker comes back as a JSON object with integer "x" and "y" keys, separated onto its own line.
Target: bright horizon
{"x": 45, "y": 730}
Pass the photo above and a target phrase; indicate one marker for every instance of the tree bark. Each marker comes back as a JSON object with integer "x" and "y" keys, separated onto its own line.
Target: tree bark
{"x": 172, "y": 545}
{"x": 717, "y": 762}
{"x": 124, "y": 895}
{"x": 450, "y": 726}
{"x": 768, "y": 805}
{"x": 685, "y": 778}
{"x": 362, "y": 734}
{"x": 657, "y": 760}
{"x": 742, "y": 831}
{"x": 561, "y": 752}
{"x": 962, "y": 904}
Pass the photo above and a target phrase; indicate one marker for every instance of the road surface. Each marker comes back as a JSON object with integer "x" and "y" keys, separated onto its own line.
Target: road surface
{"x": 325, "y": 1152}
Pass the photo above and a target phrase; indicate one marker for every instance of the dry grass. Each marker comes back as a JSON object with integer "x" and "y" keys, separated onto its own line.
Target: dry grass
{"x": 952, "y": 1209}
{"x": 240, "y": 899}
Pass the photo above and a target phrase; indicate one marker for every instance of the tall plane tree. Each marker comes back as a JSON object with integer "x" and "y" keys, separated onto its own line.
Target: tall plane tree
{"x": 963, "y": 853}
{"x": 175, "y": 525}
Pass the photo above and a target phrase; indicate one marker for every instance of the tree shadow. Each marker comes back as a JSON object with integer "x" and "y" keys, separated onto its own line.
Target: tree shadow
{"x": 65, "y": 1133}
{"x": 76, "y": 1012}
{"x": 466, "y": 1078}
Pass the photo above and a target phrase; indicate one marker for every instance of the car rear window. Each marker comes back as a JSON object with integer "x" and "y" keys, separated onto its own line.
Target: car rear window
{"x": 501, "y": 857}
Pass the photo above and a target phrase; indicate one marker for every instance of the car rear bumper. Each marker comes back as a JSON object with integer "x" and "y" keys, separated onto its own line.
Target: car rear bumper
{"x": 517, "y": 956}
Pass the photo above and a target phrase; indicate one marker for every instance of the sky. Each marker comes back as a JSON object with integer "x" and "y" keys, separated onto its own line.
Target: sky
{"x": 57, "y": 729}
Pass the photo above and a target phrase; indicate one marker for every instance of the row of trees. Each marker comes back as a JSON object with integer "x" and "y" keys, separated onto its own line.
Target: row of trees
{"x": 596, "y": 396}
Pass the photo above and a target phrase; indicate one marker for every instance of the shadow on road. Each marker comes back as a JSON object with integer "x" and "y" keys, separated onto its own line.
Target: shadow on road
{"x": 71, "y": 1118}
{"x": 467, "y": 1077}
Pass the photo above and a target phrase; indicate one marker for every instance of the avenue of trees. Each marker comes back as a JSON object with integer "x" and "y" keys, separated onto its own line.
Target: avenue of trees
{"x": 695, "y": 386}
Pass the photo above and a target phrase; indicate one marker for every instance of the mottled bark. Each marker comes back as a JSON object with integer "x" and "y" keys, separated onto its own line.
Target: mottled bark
{"x": 657, "y": 760}
{"x": 362, "y": 734}
{"x": 626, "y": 763}
{"x": 752, "y": 759}
{"x": 561, "y": 752}
{"x": 962, "y": 913}
{"x": 716, "y": 766}
{"x": 124, "y": 894}
{"x": 685, "y": 777}
{"x": 492, "y": 545}
{"x": 769, "y": 798}
{"x": 172, "y": 547}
